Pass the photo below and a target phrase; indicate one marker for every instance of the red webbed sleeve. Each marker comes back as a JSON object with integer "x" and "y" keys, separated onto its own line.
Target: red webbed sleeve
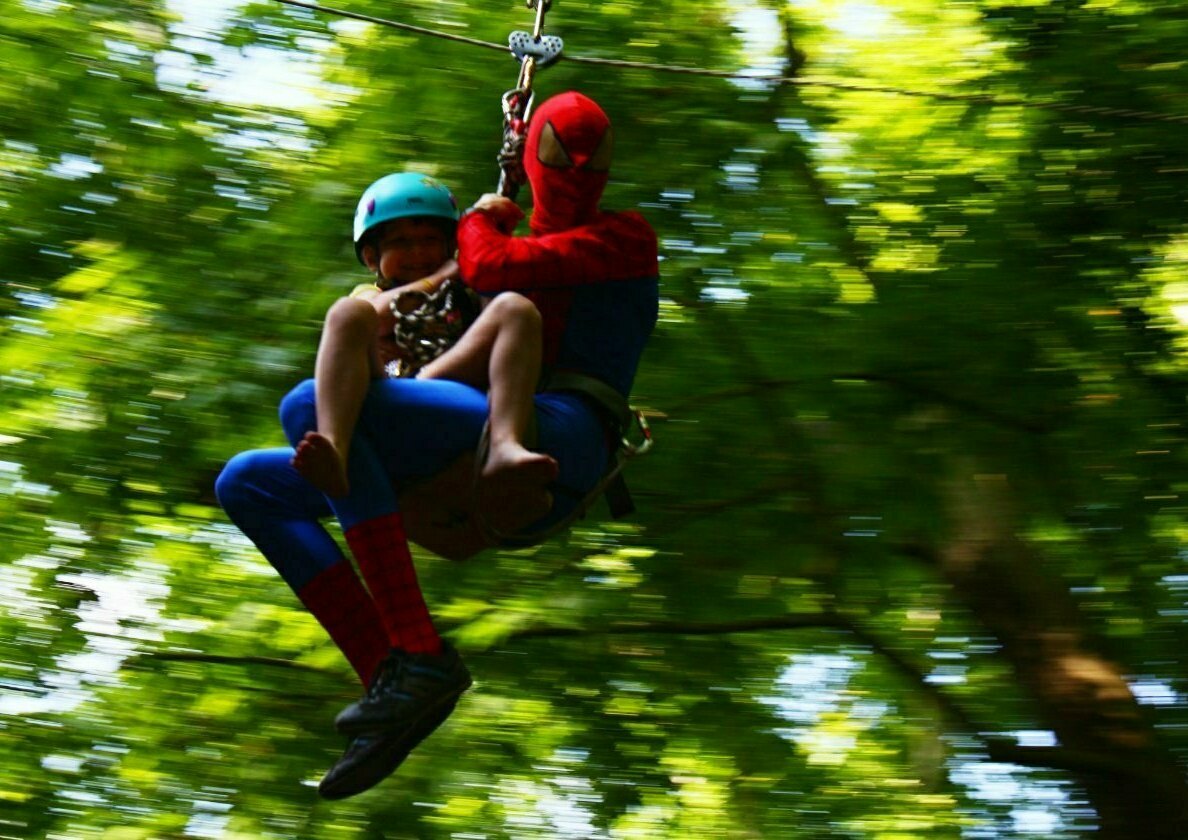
{"x": 618, "y": 246}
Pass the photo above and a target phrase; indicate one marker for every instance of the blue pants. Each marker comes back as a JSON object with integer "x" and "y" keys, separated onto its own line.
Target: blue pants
{"x": 409, "y": 429}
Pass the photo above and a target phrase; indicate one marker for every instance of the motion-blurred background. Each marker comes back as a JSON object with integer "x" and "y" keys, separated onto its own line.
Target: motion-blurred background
{"x": 910, "y": 554}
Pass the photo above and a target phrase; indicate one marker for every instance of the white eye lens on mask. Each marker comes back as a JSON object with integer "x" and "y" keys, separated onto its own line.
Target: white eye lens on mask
{"x": 600, "y": 161}
{"x": 551, "y": 151}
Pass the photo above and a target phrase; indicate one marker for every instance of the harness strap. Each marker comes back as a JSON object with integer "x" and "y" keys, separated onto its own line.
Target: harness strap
{"x": 613, "y": 404}
{"x": 618, "y": 497}
{"x": 616, "y": 409}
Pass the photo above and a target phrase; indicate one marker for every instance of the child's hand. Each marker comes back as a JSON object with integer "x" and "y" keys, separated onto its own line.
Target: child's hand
{"x": 408, "y": 300}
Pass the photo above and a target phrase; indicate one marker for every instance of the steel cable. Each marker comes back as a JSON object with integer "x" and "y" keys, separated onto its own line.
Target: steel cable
{"x": 805, "y": 81}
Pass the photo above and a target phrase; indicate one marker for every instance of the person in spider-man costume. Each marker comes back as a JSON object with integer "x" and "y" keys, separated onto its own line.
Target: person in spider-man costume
{"x": 593, "y": 276}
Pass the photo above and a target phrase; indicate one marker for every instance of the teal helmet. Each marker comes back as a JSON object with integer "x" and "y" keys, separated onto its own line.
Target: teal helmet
{"x": 402, "y": 195}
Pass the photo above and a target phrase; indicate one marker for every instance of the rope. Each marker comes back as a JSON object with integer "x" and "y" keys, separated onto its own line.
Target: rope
{"x": 809, "y": 81}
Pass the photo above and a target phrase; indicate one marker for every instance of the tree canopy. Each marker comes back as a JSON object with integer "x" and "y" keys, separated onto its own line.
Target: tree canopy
{"x": 910, "y": 559}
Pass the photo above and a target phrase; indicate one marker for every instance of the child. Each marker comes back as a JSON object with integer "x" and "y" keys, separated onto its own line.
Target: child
{"x": 404, "y": 232}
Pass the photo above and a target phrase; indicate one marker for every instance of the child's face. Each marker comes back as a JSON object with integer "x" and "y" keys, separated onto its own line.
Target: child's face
{"x": 408, "y": 249}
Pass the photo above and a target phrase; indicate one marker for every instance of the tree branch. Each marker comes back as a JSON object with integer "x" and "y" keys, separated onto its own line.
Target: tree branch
{"x": 796, "y": 621}
{"x": 917, "y": 389}
{"x": 145, "y": 659}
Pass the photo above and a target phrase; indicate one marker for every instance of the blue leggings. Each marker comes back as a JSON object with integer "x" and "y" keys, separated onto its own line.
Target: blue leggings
{"x": 409, "y": 429}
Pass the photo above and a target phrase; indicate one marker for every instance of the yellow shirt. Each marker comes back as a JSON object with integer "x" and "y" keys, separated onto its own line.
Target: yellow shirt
{"x": 365, "y": 290}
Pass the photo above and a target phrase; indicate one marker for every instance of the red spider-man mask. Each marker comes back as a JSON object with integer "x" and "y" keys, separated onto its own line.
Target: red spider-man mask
{"x": 567, "y": 158}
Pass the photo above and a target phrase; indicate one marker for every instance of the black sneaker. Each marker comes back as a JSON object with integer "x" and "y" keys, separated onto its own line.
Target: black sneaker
{"x": 369, "y": 759}
{"x": 407, "y": 688}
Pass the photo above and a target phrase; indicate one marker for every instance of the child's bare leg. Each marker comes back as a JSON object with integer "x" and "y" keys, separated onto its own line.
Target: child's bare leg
{"x": 469, "y": 359}
{"x": 347, "y": 362}
{"x": 513, "y": 372}
{"x": 502, "y": 353}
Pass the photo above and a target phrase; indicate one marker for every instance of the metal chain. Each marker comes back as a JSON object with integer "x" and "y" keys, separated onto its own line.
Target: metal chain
{"x": 432, "y": 326}
{"x": 516, "y": 103}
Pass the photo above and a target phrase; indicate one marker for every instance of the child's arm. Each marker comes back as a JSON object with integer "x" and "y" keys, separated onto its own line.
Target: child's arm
{"x": 382, "y": 301}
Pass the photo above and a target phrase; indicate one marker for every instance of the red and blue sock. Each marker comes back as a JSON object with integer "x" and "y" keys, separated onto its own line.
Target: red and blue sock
{"x": 380, "y": 545}
{"x": 339, "y": 602}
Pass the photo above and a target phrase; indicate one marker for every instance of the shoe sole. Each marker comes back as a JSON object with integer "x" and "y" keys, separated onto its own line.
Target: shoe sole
{"x": 393, "y": 755}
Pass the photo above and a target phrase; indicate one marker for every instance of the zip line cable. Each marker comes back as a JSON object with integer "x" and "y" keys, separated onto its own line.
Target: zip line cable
{"x": 395, "y": 24}
{"x": 806, "y": 81}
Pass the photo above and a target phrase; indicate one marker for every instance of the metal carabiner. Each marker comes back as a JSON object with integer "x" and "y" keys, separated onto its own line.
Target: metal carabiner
{"x": 632, "y": 449}
{"x": 516, "y": 103}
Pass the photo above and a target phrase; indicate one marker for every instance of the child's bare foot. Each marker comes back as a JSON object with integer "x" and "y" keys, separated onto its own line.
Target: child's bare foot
{"x": 318, "y": 460}
{"x": 513, "y": 463}
{"x": 512, "y": 487}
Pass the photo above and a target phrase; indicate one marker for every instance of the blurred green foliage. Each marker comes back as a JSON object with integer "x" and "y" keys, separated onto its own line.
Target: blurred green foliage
{"x": 904, "y": 342}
